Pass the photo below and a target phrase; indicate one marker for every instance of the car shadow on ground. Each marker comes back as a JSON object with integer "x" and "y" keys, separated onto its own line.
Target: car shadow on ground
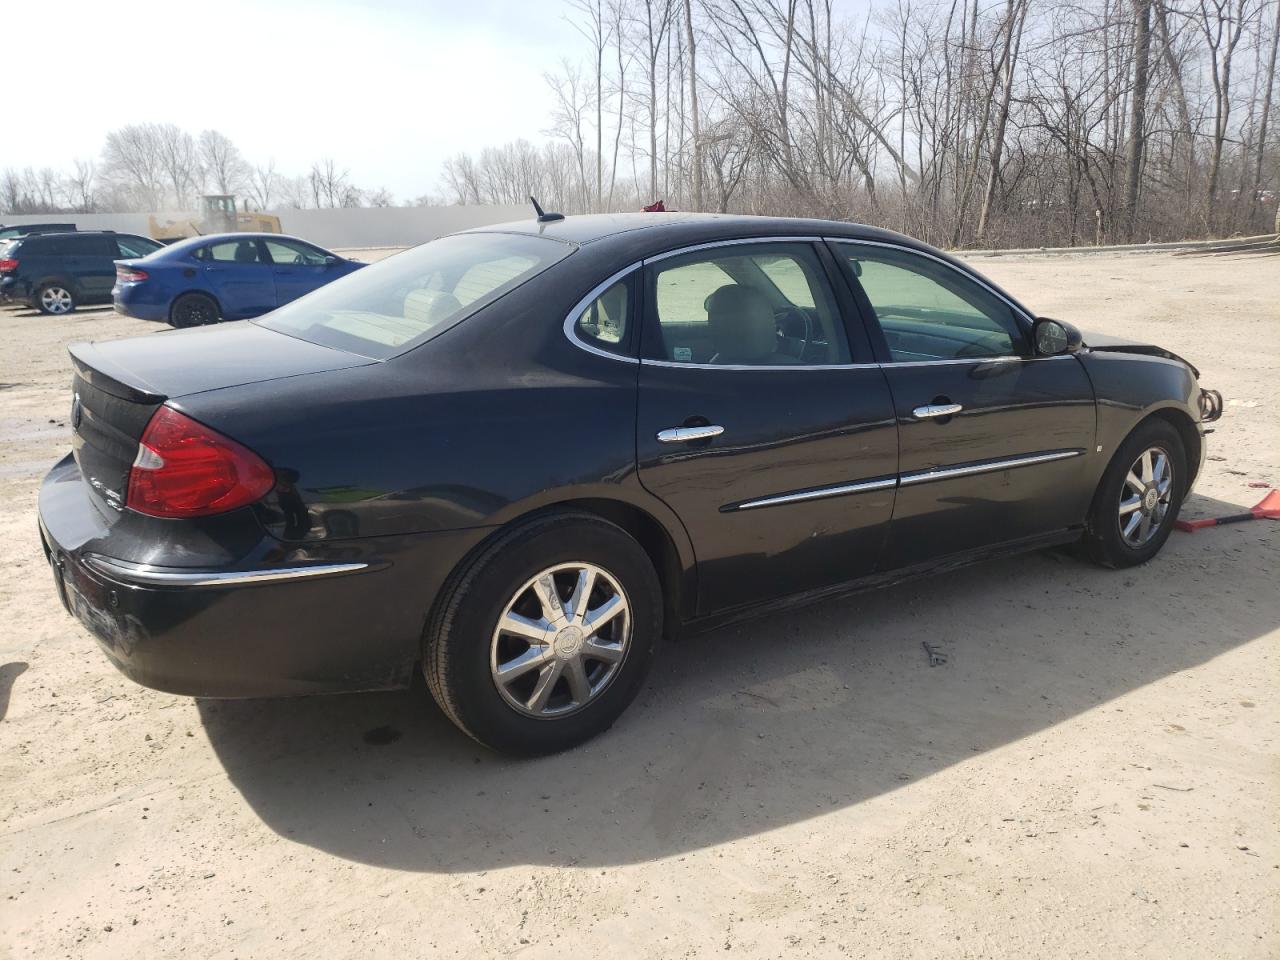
{"x": 761, "y": 725}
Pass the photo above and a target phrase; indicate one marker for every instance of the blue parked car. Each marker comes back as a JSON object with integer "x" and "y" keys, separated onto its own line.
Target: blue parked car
{"x": 226, "y": 276}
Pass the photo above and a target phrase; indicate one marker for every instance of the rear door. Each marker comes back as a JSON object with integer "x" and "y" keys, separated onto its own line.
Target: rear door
{"x": 239, "y": 273}
{"x": 761, "y": 422}
{"x": 298, "y": 268}
{"x": 995, "y": 442}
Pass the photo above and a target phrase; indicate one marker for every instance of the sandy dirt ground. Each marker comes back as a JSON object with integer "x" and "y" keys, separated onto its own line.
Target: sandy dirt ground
{"x": 1093, "y": 773}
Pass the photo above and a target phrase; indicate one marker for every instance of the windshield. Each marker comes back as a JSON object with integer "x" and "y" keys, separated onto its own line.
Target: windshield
{"x": 395, "y": 304}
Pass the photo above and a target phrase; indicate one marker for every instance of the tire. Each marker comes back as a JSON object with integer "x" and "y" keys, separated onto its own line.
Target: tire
{"x": 1108, "y": 540}
{"x": 193, "y": 310}
{"x": 55, "y": 299}
{"x": 463, "y": 645}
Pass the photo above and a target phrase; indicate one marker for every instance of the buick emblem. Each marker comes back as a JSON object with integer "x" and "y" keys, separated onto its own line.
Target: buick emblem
{"x": 75, "y": 412}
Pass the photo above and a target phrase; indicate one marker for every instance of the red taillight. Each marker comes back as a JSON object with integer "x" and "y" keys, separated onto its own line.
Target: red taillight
{"x": 184, "y": 469}
{"x": 129, "y": 274}
{"x": 8, "y": 265}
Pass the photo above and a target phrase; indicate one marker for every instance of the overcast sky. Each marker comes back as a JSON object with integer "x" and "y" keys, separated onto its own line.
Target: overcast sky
{"x": 387, "y": 88}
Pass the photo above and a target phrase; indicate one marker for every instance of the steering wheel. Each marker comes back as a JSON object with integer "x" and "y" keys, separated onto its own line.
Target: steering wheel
{"x": 786, "y": 317}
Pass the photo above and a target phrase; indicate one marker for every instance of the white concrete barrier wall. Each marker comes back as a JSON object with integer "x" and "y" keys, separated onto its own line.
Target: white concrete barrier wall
{"x": 352, "y": 227}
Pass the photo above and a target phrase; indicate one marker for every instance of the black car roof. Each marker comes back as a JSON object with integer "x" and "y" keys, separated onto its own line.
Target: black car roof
{"x": 665, "y": 230}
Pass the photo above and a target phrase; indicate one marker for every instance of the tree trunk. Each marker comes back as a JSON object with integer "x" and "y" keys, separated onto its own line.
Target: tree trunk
{"x": 693, "y": 105}
{"x": 1137, "y": 113}
{"x": 1013, "y": 42}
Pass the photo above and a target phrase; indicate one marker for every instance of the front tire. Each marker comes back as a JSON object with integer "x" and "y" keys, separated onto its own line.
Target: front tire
{"x": 55, "y": 299}
{"x": 193, "y": 310}
{"x": 1139, "y": 497}
{"x": 544, "y": 639}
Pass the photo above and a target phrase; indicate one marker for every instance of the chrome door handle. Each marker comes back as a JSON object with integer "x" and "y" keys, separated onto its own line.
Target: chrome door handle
{"x": 685, "y": 434}
{"x": 931, "y": 410}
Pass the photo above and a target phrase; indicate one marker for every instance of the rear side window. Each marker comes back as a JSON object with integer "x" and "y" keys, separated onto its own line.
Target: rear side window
{"x": 397, "y": 303}
{"x": 231, "y": 251}
{"x": 765, "y": 304}
{"x": 91, "y": 246}
{"x": 39, "y": 246}
{"x": 605, "y": 323}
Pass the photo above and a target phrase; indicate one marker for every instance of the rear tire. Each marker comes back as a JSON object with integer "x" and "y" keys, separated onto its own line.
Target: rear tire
{"x": 1139, "y": 497}
{"x": 55, "y": 299}
{"x": 193, "y": 310}
{"x": 529, "y": 697}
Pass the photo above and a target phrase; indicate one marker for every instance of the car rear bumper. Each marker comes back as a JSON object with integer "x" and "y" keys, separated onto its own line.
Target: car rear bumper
{"x": 293, "y": 625}
{"x": 129, "y": 302}
{"x": 13, "y": 291}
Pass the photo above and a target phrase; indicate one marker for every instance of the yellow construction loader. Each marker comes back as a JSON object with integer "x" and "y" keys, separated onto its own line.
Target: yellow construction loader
{"x": 218, "y": 214}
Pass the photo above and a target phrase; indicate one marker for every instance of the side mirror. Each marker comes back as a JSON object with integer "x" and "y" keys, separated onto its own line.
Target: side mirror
{"x": 329, "y": 261}
{"x": 1055, "y": 337}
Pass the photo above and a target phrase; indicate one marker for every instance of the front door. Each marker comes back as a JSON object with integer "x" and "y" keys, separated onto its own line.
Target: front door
{"x": 93, "y": 265}
{"x": 298, "y": 268}
{"x": 757, "y": 427}
{"x": 239, "y": 274}
{"x": 995, "y": 442}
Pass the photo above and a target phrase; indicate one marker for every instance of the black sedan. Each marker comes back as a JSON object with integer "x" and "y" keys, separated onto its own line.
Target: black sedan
{"x": 518, "y": 457}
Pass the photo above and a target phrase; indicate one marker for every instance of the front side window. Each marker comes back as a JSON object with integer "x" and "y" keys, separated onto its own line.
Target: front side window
{"x": 763, "y": 304}
{"x": 397, "y": 303}
{"x": 929, "y": 311}
{"x": 284, "y": 251}
{"x": 134, "y": 247}
{"x": 604, "y": 323}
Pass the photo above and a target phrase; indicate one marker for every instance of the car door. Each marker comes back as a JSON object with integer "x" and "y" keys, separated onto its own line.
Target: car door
{"x": 298, "y": 268}
{"x": 994, "y": 441}
{"x": 239, "y": 274}
{"x": 91, "y": 264}
{"x": 762, "y": 421}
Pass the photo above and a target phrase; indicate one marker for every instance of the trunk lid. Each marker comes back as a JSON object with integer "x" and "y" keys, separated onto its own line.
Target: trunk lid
{"x": 119, "y": 384}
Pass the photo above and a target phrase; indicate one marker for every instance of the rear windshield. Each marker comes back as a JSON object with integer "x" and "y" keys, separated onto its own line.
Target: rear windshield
{"x": 394, "y": 305}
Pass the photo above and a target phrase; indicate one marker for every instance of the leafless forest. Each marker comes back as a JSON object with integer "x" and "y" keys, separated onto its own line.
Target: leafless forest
{"x": 963, "y": 122}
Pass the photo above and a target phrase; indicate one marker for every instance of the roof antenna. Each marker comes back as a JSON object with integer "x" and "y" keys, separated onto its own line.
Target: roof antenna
{"x": 543, "y": 216}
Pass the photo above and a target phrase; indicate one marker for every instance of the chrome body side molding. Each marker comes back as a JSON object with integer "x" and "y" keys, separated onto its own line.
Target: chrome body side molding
{"x": 139, "y": 574}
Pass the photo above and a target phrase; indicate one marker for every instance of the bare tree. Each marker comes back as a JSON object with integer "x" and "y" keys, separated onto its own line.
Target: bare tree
{"x": 132, "y": 161}
{"x": 262, "y": 183}
{"x": 224, "y": 167}
{"x": 81, "y": 186}
{"x": 180, "y": 161}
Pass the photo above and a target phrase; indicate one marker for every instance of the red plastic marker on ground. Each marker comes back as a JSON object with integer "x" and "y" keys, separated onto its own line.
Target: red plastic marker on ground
{"x": 1268, "y": 509}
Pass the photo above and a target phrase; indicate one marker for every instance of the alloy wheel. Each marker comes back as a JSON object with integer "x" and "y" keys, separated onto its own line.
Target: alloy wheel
{"x": 55, "y": 299}
{"x": 560, "y": 640}
{"x": 1145, "y": 496}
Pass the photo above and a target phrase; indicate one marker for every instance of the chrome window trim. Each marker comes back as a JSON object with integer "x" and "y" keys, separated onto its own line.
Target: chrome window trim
{"x": 737, "y": 241}
{"x": 570, "y": 322}
{"x": 796, "y": 367}
{"x": 1018, "y": 309}
{"x": 146, "y": 575}
{"x": 989, "y": 466}
{"x": 819, "y": 493}
{"x": 933, "y": 363}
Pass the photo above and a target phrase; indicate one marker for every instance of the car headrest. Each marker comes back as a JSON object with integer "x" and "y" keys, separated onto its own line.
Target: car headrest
{"x": 246, "y": 252}
{"x": 743, "y": 329}
{"x": 429, "y": 307}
